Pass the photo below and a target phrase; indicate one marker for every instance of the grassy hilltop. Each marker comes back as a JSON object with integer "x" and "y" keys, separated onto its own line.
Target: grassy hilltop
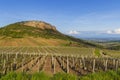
{"x": 37, "y": 33}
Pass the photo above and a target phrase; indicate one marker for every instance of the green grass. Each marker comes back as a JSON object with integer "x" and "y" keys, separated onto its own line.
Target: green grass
{"x": 117, "y": 47}
{"x": 64, "y": 76}
{"x": 109, "y": 75}
{"x": 97, "y": 52}
{"x": 40, "y": 76}
{"x": 112, "y": 53}
{"x": 25, "y": 76}
{"x": 16, "y": 76}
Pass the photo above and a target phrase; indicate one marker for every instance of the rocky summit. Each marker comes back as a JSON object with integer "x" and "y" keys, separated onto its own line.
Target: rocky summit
{"x": 39, "y": 24}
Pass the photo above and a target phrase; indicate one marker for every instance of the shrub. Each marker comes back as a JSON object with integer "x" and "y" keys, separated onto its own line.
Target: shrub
{"x": 64, "y": 76}
{"x": 40, "y": 76}
{"x": 109, "y": 75}
{"x": 16, "y": 76}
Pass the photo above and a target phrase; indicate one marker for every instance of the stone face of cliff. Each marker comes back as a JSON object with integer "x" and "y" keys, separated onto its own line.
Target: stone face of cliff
{"x": 39, "y": 24}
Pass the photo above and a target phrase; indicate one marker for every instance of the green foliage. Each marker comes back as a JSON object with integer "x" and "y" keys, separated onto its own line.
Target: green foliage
{"x": 40, "y": 76}
{"x": 97, "y": 52}
{"x": 64, "y": 76}
{"x": 114, "y": 47}
{"x": 22, "y": 76}
{"x": 10, "y": 76}
{"x": 25, "y": 76}
{"x": 16, "y": 76}
{"x": 109, "y": 75}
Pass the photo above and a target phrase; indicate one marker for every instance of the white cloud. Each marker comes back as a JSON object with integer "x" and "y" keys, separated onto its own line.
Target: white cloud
{"x": 109, "y": 32}
{"x": 116, "y": 31}
{"x": 73, "y": 32}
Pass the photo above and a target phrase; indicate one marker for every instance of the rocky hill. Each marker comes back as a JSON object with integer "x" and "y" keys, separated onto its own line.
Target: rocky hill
{"x": 39, "y": 24}
{"x": 37, "y": 33}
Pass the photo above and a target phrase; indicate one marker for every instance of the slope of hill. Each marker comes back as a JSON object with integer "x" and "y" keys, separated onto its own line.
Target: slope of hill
{"x": 36, "y": 33}
{"x": 30, "y": 28}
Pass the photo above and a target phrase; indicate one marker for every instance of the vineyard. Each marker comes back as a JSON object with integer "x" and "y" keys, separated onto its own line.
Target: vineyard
{"x": 79, "y": 61}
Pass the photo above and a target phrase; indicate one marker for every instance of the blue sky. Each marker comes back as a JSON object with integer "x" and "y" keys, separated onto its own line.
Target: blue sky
{"x": 69, "y": 16}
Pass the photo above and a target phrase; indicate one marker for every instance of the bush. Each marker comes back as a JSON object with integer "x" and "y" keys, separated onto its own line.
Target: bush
{"x": 9, "y": 76}
{"x": 16, "y": 76}
{"x": 64, "y": 76}
{"x": 97, "y": 52}
{"x": 40, "y": 76}
{"x": 109, "y": 75}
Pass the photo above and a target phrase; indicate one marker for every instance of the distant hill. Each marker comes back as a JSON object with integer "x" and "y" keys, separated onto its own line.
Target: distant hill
{"x": 37, "y": 33}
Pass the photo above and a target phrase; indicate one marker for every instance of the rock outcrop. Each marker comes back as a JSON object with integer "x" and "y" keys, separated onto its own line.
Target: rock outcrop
{"x": 39, "y": 24}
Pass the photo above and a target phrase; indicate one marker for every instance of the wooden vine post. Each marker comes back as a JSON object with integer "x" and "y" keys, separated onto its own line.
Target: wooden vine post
{"x": 63, "y": 63}
{"x": 106, "y": 62}
{"x": 22, "y": 65}
{"x": 80, "y": 63}
{"x": 73, "y": 62}
{"x": 52, "y": 61}
{"x": 67, "y": 65}
{"x": 83, "y": 60}
{"x": 116, "y": 66}
{"x": 39, "y": 64}
{"x": 16, "y": 55}
{"x": 11, "y": 68}
{"x": 93, "y": 66}
{"x": 4, "y": 63}
{"x": 43, "y": 61}
{"x": 60, "y": 58}
{"x": 14, "y": 64}
{"x": 4, "y": 68}
{"x": 54, "y": 66}
{"x": 7, "y": 56}
{"x": 2, "y": 56}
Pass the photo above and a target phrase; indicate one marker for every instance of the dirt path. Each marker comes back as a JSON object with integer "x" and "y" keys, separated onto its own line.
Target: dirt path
{"x": 57, "y": 67}
{"x": 28, "y": 66}
{"x": 36, "y": 66}
{"x": 47, "y": 68}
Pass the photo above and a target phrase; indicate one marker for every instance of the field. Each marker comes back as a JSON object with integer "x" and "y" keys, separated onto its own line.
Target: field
{"x": 29, "y": 41}
{"x": 52, "y": 60}
{"x": 113, "y": 53}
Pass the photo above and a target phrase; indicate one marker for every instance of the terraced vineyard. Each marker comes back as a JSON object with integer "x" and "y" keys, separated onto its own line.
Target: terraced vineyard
{"x": 79, "y": 61}
{"x": 112, "y": 53}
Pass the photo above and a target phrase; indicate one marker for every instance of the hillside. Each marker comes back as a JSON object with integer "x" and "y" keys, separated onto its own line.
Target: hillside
{"x": 36, "y": 33}
{"x": 30, "y": 28}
